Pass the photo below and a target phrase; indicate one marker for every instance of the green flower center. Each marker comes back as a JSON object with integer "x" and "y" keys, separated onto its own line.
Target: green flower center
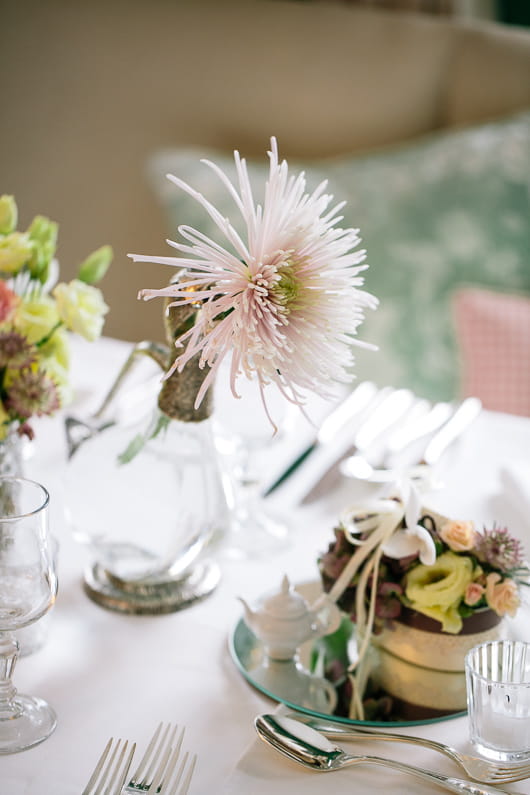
{"x": 286, "y": 290}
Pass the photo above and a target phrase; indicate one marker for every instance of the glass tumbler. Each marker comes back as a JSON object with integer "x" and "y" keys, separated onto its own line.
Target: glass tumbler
{"x": 498, "y": 699}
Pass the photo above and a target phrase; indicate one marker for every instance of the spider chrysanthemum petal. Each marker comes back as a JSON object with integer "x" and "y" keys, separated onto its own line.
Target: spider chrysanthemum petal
{"x": 286, "y": 300}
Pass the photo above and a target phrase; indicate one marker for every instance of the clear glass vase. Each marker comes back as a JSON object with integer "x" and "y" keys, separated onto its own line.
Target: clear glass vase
{"x": 149, "y": 515}
{"x": 148, "y": 500}
{"x": 147, "y": 521}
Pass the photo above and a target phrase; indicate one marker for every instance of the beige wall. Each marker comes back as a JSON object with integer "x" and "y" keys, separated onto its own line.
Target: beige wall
{"x": 90, "y": 89}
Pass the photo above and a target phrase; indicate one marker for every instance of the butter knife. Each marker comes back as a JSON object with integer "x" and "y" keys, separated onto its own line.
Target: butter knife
{"x": 465, "y": 414}
{"x": 331, "y": 426}
{"x": 384, "y": 413}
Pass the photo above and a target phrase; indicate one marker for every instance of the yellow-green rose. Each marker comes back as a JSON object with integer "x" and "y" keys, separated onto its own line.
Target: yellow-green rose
{"x": 15, "y": 251}
{"x": 437, "y": 590}
{"x": 58, "y": 348}
{"x": 54, "y": 359}
{"x": 37, "y": 317}
{"x": 81, "y": 308}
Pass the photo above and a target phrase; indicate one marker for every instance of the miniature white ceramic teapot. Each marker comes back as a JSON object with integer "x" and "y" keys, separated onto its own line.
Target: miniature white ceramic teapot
{"x": 284, "y": 621}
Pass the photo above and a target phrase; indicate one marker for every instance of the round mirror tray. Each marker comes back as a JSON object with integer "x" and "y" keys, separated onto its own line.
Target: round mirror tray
{"x": 248, "y": 655}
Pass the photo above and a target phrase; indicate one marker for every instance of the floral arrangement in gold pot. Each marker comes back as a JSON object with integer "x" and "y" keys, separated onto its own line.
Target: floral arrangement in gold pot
{"x": 472, "y": 571}
{"x": 418, "y": 585}
{"x": 36, "y": 314}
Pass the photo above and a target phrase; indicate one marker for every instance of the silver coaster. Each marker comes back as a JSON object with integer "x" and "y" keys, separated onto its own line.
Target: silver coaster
{"x": 145, "y": 598}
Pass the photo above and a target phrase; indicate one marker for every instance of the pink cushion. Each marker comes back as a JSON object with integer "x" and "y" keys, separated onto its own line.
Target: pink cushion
{"x": 493, "y": 335}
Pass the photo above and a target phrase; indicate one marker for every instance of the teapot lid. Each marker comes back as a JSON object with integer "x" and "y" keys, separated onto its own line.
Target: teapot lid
{"x": 288, "y": 603}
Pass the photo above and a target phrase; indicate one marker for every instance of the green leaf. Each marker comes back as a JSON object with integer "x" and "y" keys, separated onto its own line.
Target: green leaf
{"x": 132, "y": 449}
{"x": 158, "y": 423}
{"x": 335, "y": 645}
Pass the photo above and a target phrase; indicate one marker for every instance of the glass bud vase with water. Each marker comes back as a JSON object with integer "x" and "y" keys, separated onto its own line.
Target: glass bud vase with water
{"x": 148, "y": 499}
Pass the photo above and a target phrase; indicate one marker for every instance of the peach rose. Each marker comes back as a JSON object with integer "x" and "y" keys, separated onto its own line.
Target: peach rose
{"x": 459, "y": 535}
{"x": 501, "y": 595}
{"x": 474, "y": 593}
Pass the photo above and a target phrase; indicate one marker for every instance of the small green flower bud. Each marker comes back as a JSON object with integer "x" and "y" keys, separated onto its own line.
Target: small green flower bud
{"x": 95, "y": 266}
{"x": 8, "y": 214}
{"x": 43, "y": 236}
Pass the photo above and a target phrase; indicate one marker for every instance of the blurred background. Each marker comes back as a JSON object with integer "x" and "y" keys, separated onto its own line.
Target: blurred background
{"x": 97, "y": 96}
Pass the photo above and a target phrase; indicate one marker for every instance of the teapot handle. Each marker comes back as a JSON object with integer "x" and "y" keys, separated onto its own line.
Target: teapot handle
{"x": 328, "y": 615}
{"x": 322, "y": 690}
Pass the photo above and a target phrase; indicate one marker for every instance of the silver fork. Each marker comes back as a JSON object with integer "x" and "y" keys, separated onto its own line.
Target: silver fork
{"x": 479, "y": 769}
{"x": 157, "y": 766}
{"x": 109, "y": 779}
{"x": 184, "y": 773}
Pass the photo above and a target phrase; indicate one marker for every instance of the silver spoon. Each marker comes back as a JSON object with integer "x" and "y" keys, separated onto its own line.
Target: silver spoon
{"x": 480, "y": 769}
{"x": 311, "y": 749}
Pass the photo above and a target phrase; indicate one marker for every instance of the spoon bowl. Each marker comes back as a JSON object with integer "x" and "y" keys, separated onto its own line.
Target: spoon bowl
{"x": 313, "y": 750}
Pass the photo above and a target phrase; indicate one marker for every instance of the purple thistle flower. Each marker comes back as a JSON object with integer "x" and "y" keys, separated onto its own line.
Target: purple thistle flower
{"x": 15, "y": 351}
{"x": 33, "y": 392}
{"x": 499, "y": 549}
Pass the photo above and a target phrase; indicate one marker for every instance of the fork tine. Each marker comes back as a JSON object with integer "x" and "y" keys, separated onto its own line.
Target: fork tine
{"x": 113, "y": 772}
{"x": 150, "y": 771}
{"x": 187, "y": 781}
{"x": 170, "y": 786}
{"x": 168, "y": 762}
{"x": 507, "y": 774}
{"x": 162, "y": 750}
{"x": 101, "y": 761}
{"x": 147, "y": 755}
{"x": 122, "y": 779}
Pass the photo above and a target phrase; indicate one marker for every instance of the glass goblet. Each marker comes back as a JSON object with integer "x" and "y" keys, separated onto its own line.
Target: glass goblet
{"x": 249, "y": 439}
{"x": 28, "y": 586}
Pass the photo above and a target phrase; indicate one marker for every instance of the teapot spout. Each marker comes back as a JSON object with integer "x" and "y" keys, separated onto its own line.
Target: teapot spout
{"x": 249, "y": 613}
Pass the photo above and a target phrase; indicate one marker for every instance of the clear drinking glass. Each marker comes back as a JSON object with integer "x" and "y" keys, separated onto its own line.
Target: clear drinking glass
{"x": 498, "y": 698}
{"x": 28, "y": 586}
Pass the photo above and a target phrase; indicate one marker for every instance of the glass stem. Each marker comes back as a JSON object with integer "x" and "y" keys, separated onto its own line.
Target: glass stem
{"x": 8, "y": 659}
{"x": 248, "y": 481}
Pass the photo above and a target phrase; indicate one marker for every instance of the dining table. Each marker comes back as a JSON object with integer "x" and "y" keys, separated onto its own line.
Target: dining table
{"x": 111, "y": 674}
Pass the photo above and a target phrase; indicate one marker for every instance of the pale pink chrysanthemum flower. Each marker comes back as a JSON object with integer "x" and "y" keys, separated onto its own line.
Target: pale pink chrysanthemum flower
{"x": 286, "y": 301}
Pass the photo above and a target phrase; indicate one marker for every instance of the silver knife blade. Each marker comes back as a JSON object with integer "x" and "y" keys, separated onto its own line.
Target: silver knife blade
{"x": 352, "y": 405}
{"x": 465, "y": 414}
{"x": 382, "y": 414}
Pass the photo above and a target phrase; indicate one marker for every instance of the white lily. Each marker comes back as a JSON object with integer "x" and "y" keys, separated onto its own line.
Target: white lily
{"x": 413, "y": 539}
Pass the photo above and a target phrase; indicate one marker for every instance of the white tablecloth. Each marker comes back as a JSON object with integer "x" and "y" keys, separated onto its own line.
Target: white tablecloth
{"x": 110, "y": 674}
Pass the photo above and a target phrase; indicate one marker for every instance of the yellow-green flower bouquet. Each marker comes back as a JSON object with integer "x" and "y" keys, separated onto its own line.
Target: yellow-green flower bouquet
{"x": 36, "y": 314}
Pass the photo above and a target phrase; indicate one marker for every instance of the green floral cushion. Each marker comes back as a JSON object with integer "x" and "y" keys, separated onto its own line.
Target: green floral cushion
{"x": 448, "y": 211}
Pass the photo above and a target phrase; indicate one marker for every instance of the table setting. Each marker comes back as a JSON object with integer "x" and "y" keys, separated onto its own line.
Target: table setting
{"x": 165, "y": 616}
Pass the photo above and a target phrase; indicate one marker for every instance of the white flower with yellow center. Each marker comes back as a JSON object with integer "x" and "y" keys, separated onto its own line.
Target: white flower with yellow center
{"x": 81, "y": 308}
{"x": 286, "y": 301}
